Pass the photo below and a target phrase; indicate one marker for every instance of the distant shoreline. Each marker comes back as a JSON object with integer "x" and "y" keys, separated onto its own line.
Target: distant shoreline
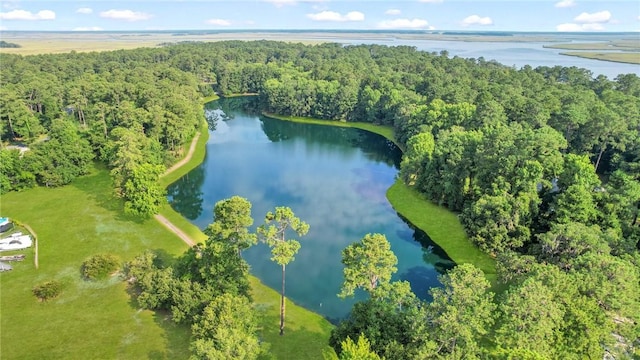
{"x": 42, "y": 42}
{"x": 618, "y": 57}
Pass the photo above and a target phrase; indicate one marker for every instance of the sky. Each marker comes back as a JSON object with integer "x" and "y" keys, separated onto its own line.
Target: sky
{"x": 452, "y": 15}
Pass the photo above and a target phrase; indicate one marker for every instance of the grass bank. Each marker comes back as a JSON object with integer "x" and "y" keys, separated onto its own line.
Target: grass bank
{"x": 626, "y": 57}
{"x": 442, "y": 225}
{"x": 386, "y": 131}
{"x": 307, "y": 333}
{"x": 619, "y": 45}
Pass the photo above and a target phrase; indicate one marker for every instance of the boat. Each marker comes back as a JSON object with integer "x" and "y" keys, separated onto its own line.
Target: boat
{"x": 5, "y": 224}
{"x": 16, "y": 243}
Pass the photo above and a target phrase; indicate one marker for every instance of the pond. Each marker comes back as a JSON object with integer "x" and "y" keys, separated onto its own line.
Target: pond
{"x": 333, "y": 178}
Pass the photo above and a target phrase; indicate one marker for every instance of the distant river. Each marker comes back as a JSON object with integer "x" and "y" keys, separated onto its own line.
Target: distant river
{"x": 516, "y": 54}
{"x": 333, "y": 178}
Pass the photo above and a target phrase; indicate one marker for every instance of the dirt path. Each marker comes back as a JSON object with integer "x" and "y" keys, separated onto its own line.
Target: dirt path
{"x": 186, "y": 159}
{"x": 169, "y": 225}
{"x": 35, "y": 240}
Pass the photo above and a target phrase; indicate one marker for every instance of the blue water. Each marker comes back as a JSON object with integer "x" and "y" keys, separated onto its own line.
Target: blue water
{"x": 335, "y": 179}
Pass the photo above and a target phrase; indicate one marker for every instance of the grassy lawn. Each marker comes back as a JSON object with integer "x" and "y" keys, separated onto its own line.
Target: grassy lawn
{"x": 306, "y": 334}
{"x": 95, "y": 320}
{"x": 442, "y": 226}
{"x": 99, "y": 320}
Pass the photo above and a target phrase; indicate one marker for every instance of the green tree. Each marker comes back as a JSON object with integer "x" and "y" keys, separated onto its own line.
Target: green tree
{"x": 226, "y": 329}
{"x": 142, "y": 192}
{"x": 565, "y": 242}
{"x": 461, "y": 313}
{"x": 367, "y": 264}
{"x": 14, "y": 172}
{"x": 530, "y": 318}
{"x": 575, "y": 204}
{"x": 625, "y": 195}
{"x": 360, "y": 350}
{"x": 495, "y": 224}
{"x": 231, "y": 221}
{"x": 393, "y": 320}
{"x": 419, "y": 149}
{"x": 65, "y": 156}
{"x": 16, "y": 119}
{"x": 283, "y": 250}
{"x": 216, "y": 265}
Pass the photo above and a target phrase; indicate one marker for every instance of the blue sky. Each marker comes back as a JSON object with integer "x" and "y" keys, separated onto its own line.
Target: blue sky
{"x": 505, "y": 15}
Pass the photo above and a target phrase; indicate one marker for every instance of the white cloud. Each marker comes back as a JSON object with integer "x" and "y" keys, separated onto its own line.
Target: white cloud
{"x": 3, "y": 28}
{"x": 432, "y": 1}
{"x": 597, "y": 17}
{"x": 334, "y": 16}
{"x": 219, "y": 22}
{"x": 403, "y": 24}
{"x": 27, "y": 15}
{"x": 565, "y": 4}
{"x": 88, "y": 28}
{"x": 593, "y": 27}
{"x": 84, "y": 10}
{"x": 126, "y": 15}
{"x": 571, "y": 27}
{"x": 281, "y": 3}
{"x": 393, "y": 12}
{"x": 477, "y": 20}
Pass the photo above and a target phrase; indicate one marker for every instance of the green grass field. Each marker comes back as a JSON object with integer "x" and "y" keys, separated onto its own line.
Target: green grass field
{"x": 306, "y": 334}
{"x": 100, "y": 320}
{"x": 442, "y": 226}
{"x": 97, "y": 320}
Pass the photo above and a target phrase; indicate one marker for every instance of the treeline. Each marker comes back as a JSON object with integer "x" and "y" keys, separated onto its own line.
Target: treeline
{"x": 542, "y": 164}
{"x": 5, "y": 44}
{"x": 130, "y": 112}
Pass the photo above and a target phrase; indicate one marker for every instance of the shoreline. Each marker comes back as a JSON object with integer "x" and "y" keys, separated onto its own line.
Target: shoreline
{"x": 263, "y": 295}
{"x": 51, "y": 42}
{"x": 408, "y": 203}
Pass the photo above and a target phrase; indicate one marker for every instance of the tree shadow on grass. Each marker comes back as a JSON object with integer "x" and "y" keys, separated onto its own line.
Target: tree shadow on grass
{"x": 99, "y": 187}
{"x": 177, "y": 337}
{"x": 298, "y": 342}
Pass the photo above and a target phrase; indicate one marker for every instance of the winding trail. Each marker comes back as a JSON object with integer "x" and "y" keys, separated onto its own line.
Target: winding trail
{"x": 186, "y": 159}
{"x": 163, "y": 220}
{"x": 169, "y": 225}
{"x": 35, "y": 240}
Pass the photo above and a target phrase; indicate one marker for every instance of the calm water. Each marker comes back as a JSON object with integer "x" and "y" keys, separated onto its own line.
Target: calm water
{"x": 333, "y": 178}
{"x": 516, "y": 54}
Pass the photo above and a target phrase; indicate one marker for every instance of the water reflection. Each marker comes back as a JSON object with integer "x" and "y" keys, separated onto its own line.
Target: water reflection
{"x": 187, "y": 198}
{"x": 333, "y": 178}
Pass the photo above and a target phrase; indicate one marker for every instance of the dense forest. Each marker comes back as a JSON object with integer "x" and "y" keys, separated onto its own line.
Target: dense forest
{"x": 542, "y": 165}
